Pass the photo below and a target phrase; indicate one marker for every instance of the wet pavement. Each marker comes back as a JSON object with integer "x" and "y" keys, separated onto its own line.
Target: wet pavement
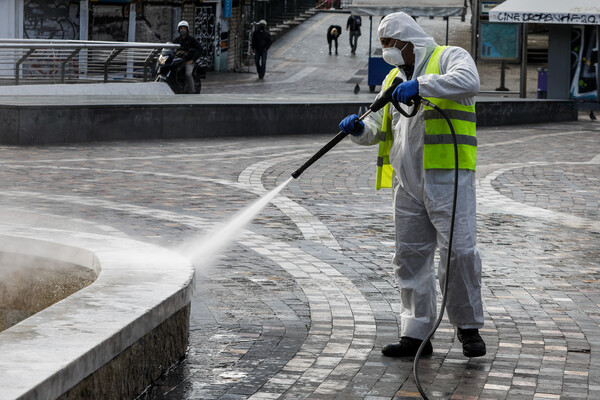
{"x": 301, "y": 305}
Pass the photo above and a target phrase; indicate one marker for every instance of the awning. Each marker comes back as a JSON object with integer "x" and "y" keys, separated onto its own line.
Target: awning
{"x": 415, "y": 8}
{"x": 574, "y": 12}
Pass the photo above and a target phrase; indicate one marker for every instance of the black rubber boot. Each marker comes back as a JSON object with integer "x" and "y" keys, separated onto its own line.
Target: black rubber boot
{"x": 407, "y": 347}
{"x": 472, "y": 343}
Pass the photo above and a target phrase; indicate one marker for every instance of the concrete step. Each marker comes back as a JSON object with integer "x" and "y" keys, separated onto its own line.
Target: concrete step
{"x": 282, "y": 24}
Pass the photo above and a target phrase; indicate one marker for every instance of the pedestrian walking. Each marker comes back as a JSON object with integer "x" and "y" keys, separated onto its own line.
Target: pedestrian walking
{"x": 417, "y": 159}
{"x": 333, "y": 32}
{"x": 353, "y": 24}
{"x": 261, "y": 41}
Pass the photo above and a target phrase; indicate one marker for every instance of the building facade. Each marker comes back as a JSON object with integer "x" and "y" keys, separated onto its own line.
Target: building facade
{"x": 221, "y": 26}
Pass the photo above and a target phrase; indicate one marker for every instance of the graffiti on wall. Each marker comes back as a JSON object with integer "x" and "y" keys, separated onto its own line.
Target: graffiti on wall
{"x": 584, "y": 62}
{"x": 206, "y": 30}
{"x": 54, "y": 19}
{"x": 108, "y": 22}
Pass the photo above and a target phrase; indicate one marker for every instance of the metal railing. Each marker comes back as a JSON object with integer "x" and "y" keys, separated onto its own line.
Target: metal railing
{"x": 54, "y": 61}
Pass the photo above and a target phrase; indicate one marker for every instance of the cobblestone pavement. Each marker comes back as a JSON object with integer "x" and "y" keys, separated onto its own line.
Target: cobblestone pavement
{"x": 302, "y": 304}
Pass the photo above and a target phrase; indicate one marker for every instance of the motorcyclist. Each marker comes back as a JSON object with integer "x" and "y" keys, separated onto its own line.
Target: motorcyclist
{"x": 422, "y": 158}
{"x": 191, "y": 49}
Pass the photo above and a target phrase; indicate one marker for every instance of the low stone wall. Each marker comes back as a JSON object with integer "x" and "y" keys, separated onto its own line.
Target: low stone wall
{"x": 108, "y": 340}
{"x": 499, "y": 112}
{"x": 34, "y": 121}
{"x": 135, "y": 368}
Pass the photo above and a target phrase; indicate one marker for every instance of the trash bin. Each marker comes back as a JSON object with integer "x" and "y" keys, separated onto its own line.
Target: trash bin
{"x": 542, "y": 90}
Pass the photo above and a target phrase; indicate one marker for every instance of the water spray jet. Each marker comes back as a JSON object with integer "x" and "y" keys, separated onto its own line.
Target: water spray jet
{"x": 204, "y": 250}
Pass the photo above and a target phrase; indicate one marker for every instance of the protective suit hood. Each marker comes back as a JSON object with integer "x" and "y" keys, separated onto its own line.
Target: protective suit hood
{"x": 402, "y": 26}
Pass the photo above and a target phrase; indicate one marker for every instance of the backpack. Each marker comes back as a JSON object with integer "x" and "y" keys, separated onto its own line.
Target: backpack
{"x": 357, "y": 21}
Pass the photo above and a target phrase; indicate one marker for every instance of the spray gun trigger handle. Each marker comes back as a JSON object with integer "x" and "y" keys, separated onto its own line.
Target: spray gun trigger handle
{"x": 413, "y": 102}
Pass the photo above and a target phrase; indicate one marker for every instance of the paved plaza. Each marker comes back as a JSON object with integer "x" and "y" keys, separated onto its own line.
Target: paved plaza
{"x": 300, "y": 306}
{"x": 303, "y": 303}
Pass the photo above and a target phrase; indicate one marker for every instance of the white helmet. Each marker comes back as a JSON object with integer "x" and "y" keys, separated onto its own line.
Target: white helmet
{"x": 183, "y": 23}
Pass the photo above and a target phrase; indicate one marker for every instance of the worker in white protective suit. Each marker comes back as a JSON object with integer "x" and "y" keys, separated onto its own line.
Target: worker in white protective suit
{"x": 417, "y": 159}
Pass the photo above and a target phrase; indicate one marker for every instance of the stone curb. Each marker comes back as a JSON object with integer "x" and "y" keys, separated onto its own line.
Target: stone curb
{"x": 139, "y": 286}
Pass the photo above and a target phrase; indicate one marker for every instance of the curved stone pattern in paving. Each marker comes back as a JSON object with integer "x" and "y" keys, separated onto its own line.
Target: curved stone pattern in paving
{"x": 567, "y": 188}
{"x": 301, "y": 305}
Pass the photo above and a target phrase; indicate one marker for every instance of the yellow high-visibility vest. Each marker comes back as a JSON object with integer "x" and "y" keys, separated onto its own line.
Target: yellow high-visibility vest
{"x": 438, "y": 149}
{"x": 385, "y": 172}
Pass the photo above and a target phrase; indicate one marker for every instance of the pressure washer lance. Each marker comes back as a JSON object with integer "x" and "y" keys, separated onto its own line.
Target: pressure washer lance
{"x": 377, "y": 105}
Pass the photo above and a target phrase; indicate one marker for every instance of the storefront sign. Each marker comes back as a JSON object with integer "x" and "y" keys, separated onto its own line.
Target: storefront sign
{"x": 227, "y": 9}
{"x": 546, "y": 18}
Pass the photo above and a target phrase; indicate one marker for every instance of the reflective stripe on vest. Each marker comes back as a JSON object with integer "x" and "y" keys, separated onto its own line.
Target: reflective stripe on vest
{"x": 438, "y": 150}
{"x": 385, "y": 172}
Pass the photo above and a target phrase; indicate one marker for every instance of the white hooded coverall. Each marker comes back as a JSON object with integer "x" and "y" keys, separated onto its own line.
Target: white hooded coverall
{"x": 423, "y": 198}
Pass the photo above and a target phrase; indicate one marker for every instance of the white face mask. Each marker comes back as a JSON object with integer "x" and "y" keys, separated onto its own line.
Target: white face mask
{"x": 393, "y": 55}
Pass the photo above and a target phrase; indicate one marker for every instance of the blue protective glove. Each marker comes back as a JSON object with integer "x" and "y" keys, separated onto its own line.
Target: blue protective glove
{"x": 352, "y": 125}
{"x": 406, "y": 91}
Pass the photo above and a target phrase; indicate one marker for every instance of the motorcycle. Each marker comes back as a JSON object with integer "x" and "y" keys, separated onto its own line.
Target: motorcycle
{"x": 170, "y": 68}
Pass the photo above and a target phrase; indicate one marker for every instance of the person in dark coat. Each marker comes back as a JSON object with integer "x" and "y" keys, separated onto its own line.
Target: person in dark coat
{"x": 333, "y": 32}
{"x": 192, "y": 49}
{"x": 353, "y": 24}
{"x": 261, "y": 41}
